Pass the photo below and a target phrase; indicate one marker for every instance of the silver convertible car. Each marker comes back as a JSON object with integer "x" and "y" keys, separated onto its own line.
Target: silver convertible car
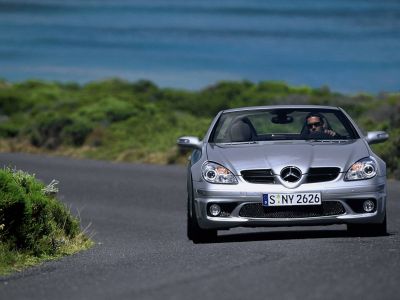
{"x": 284, "y": 166}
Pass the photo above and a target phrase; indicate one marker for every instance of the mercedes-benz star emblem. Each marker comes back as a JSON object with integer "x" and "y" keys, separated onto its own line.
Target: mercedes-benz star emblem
{"x": 291, "y": 174}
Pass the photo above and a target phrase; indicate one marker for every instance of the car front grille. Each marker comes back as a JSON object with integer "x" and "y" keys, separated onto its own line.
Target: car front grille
{"x": 314, "y": 175}
{"x": 322, "y": 174}
{"x": 257, "y": 210}
{"x": 258, "y": 176}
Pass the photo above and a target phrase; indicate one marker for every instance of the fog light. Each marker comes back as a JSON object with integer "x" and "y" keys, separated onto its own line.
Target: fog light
{"x": 215, "y": 210}
{"x": 368, "y": 206}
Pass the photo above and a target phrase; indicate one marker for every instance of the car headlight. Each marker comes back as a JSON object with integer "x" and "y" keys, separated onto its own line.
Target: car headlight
{"x": 363, "y": 169}
{"x": 215, "y": 173}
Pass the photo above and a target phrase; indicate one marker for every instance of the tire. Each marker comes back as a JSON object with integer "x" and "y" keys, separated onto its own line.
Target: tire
{"x": 378, "y": 229}
{"x": 194, "y": 232}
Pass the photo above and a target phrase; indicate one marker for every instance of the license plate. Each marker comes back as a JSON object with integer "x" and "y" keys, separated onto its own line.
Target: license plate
{"x": 291, "y": 199}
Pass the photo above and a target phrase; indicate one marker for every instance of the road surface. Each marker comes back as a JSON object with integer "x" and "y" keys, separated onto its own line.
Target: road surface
{"x": 137, "y": 216}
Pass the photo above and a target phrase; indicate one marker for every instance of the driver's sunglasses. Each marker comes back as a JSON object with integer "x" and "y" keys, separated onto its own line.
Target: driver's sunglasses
{"x": 316, "y": 124}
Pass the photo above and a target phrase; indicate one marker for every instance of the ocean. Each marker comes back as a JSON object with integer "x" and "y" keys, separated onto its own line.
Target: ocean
{"x": 349, "y": 46}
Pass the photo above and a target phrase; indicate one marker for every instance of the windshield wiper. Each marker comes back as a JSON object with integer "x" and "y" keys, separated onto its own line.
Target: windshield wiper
{"x": 327, "y": 141}
{"x": 240, "y": 143}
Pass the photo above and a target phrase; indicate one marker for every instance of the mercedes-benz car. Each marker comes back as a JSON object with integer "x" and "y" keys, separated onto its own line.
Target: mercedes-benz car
{"x": 284, "y": 166}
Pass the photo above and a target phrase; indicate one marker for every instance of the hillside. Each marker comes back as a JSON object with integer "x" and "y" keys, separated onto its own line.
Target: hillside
{"x": 139, "y": 122}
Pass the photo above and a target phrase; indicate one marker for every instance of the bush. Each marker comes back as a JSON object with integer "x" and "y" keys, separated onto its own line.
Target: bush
{"x": 51, "y": 129}
{"x": 108, "y": 110}
{"x": 46, "y": 129}
{"x": 32, "y": 219}
{"x": 9, "y": 130}
{"x": 12, "y": 102}
{"x": 76, "y": 132}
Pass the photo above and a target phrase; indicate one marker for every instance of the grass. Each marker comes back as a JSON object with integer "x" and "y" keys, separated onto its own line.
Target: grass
{"x": 15, "y": 260}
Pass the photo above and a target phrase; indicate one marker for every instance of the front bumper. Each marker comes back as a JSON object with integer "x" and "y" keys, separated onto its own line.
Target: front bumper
{"x": 237, "y": 196}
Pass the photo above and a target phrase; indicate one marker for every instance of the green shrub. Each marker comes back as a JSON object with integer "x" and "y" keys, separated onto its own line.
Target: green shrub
{"x": 46, "y": 129}
{"x": 34, "y": 225}
{"x": 9, "y": 129}
{"x": 30, "y": 218}
{"x": 76, "y": 132}
{"x": 144, "y": 87}
{"x": 12, "y": 101}
{"x": 108, "y": 110}
{"x": 51, "y": 129}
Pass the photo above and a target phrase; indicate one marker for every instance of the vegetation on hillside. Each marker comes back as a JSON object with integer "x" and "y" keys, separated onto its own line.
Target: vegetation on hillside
{"x": 124, "y": 121}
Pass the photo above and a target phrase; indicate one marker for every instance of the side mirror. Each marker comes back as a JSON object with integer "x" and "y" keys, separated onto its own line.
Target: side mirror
{"x": 189, "y": 142}
{"x": 375, "y": 137}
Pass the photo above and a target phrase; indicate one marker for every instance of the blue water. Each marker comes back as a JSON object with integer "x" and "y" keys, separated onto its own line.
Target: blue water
{"x": 351, "y": 46}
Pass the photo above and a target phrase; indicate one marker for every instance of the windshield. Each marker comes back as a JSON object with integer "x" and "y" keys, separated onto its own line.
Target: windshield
{"x": 282, "y": 124}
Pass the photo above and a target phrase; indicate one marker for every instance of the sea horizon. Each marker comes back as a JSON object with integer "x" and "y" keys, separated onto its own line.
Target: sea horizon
{"x": 350, "y": 47}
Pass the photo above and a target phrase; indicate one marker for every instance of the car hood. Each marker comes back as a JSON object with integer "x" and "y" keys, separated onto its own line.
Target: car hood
{"x": 276, "y": 155}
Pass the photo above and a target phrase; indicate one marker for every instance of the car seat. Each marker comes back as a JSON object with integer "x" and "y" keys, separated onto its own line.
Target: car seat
{"x": 242, "y": 130}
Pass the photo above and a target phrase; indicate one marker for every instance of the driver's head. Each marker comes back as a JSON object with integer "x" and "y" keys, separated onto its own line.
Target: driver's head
{"x": 315, "y": 123}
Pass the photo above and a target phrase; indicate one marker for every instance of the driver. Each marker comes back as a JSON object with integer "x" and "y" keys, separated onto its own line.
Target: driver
{"x": 315, "y": 126}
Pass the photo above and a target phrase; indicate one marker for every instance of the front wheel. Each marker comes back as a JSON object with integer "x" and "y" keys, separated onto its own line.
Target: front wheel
{"x": 368, "y": 229}
{"x": 194, "y": 232}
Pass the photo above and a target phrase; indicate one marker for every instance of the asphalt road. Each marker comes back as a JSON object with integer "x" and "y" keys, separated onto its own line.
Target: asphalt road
{"x": 137, "y": 216}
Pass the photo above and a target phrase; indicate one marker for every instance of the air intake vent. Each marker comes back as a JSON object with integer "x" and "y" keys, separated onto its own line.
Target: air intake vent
{"x": 259, "y": 176}
{"x": 257, "y": 210}
{"x": 322, "y": 174}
